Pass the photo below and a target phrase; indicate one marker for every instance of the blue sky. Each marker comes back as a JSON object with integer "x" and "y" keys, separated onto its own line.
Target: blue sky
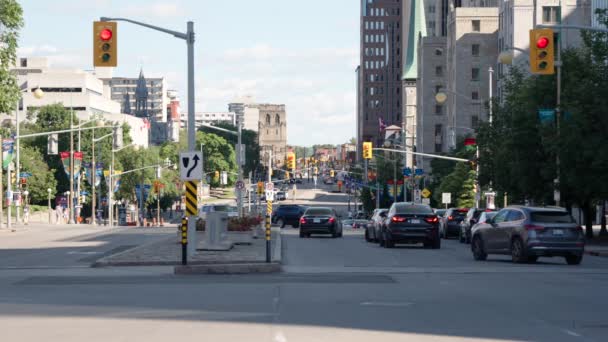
{"x": 300, "y": 53}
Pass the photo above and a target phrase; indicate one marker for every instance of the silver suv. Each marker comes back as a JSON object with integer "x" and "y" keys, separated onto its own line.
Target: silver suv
{"x": 527, "y": 233}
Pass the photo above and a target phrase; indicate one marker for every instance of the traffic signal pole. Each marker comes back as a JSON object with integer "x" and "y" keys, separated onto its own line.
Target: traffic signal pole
{"x": 189, "y": 38}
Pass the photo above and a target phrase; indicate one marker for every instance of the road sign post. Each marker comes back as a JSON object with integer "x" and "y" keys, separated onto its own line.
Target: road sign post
{"x": 446, "y": 198}
{"x": 268, "y": 231}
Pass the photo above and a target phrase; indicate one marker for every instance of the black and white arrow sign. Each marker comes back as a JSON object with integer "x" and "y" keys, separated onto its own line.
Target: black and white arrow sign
{"x": 191, "y": 166}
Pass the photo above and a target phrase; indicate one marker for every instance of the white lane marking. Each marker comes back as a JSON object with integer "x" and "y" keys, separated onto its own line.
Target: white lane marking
{"x": 571, "y": 333}
{"x": 85, "y": 253}
{"x": 396, "y": 304}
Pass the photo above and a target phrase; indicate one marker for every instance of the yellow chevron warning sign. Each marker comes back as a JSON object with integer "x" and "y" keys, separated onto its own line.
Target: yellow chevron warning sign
{"x": 191, "y": 199}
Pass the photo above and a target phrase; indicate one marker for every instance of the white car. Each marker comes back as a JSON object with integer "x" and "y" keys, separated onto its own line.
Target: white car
{"x": 231, "y": 210}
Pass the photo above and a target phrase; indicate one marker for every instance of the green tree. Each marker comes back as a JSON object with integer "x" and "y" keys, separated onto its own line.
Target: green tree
{"x": 249, "y": 138}
{"x": 41, "y": 179}
{"x": 219, "y": 155}
{"x": 11, "y": 20}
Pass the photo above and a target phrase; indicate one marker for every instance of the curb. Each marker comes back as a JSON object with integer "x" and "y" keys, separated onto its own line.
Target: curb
{"x": 228, "y": 268}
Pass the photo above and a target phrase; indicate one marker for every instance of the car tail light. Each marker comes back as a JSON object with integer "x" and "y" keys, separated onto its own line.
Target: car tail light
{"x": 432, "y": 219}
{"x": 332, "y": 220}
{"x": 302, "y": 220}
{"x": 533, "y": 227}
{"x": 398, "y": 219}
{"x": 450, "y": 217}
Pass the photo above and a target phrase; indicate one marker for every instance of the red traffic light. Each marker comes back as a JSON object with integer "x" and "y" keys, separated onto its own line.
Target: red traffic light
{"x": 542, "y": 42}
{"x": 105, "y": 34}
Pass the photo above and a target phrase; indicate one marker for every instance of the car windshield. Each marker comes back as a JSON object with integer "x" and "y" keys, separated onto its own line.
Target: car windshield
{"x": 318, "y": 211}
{"x": 225, "y": 208}
{"x": 459, "y": 213}
{"x": 413, "y": 209}
{"x": 289, "y": 208}
{"x": 347, "y": 222}
{"x": 490, "y": 215}
{"x": 551, "y": 217}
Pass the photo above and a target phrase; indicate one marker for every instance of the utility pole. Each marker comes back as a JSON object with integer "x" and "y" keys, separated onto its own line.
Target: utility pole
{"x": 239, "y": 162}
{"x": 71, "y": 173}
{"x": 1, "y": 186}
{"x": 93, "y": 178}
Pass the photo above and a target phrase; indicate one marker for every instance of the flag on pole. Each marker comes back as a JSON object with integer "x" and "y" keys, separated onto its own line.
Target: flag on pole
{"x": 381, "y": 124}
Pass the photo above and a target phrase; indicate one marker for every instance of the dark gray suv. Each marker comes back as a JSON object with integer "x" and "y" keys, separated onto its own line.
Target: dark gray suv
{"x": 527, "y": 233}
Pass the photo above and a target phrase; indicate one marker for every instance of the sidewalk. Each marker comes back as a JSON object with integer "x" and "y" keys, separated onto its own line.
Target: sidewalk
{"x": 168, "y": 252}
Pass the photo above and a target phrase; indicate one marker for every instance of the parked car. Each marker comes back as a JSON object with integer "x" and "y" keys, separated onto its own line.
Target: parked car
{"x": 440, "y": 212}
{"x": 372, "y": 231}
{"x": 408, "y": 222}
{"x": 348, "y": 223}
{"x": 527, "y": 233}
{"x": 359, "y": 223}
{"x": 469, "y": 221}
{"x": 287, "y": 214}
{"x": 320, "y": 220}
{"x": 450, "y": 224}
{"x": 280, "y": 196}
{"x": 231, "y": 210}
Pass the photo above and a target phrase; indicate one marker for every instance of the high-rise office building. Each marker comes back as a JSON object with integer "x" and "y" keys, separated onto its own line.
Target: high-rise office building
{"x": 379, "y": 74}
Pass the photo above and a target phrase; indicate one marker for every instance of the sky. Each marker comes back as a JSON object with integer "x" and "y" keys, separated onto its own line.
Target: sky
{"x": 299, "y": 53}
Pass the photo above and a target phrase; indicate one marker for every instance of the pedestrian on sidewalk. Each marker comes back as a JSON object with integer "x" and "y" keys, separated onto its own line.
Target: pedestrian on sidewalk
{"x": 26, "y": 214}
{"x": 58, "y": 214}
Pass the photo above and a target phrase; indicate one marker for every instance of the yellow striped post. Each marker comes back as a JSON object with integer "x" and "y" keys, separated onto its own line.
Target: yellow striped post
{"x": 184, "y": 241}
{"x": 191, "y": 198}
{"x": 268, "y": 218}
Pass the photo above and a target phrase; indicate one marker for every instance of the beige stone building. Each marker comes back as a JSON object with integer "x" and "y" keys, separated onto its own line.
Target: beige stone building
{"x": 472, "y": 51}
{"x": 272, "y": 130}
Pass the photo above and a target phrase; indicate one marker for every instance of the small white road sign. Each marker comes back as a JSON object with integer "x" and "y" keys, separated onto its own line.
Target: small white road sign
{"x": 190, "y": 166}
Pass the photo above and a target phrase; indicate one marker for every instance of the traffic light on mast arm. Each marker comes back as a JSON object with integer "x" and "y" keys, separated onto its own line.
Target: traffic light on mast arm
{"x": 367, "y": 150}
{"x": 105, "y": 38}
{"x": 542, "y": 51}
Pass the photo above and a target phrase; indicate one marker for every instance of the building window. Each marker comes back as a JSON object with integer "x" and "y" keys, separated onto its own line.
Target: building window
{"x": 475, "y": 95}
{"x": 475, "y": 50}
{"x": 438, "y": 71}
{"x": 23, "y": 62}
{"x": 438, "y": 110}
{"x": 277, "y": 120}
{"x": 268, "y": 119}
{"x": 432, "y": 9}
{"x": 438, "y": 88}
{"x": 438, "y": 138}
{"x": 474, "y": 121}
{"x": 550, "y": 14}
{"x": 475, "y": 26}
{"x": 475, "y": 74}
{"x": 438, "y": 52}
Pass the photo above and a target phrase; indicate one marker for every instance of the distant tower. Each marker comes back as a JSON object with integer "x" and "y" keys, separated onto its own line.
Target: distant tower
{"x": 127, "y": 104}
{"x": 141, "y": 97}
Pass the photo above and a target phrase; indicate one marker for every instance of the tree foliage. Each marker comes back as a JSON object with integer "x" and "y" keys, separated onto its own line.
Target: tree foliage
{"x": 11, "y": 20}
{"x": 519, "y": 152}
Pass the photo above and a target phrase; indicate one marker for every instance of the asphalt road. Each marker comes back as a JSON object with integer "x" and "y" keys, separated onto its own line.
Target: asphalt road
{"x": 332, "y": 290}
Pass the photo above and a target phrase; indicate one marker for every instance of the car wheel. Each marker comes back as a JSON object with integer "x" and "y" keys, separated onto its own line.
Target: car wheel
{"x": 460, "y": 237}
{"x": 479, "y": 253}
{"x": 302, "y": 235}
{"x": 388, "y": 243}
{"x": 436, "y": 244}
{"x": 381, "y": 239}
{"x": 341, "y": 234}
{"x": 574, "y": 259}
{"x": 532, "y": 259}
{"x": 518, "y": 254}
{"x": 281, "y": 223}
{"x": 467, "y": 239}
{"x": 367, "y": 239}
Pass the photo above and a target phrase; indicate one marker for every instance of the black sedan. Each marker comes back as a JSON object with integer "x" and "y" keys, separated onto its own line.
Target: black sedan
{"x": 320, "y": 220}
{"x": 410, "y": 223}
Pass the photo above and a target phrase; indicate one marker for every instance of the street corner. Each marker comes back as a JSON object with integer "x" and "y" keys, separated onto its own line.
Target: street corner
{"x": 250, "y": 268}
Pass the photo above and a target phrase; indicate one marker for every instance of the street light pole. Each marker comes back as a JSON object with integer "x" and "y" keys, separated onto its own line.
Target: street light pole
{"x": 71, "y": 173}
